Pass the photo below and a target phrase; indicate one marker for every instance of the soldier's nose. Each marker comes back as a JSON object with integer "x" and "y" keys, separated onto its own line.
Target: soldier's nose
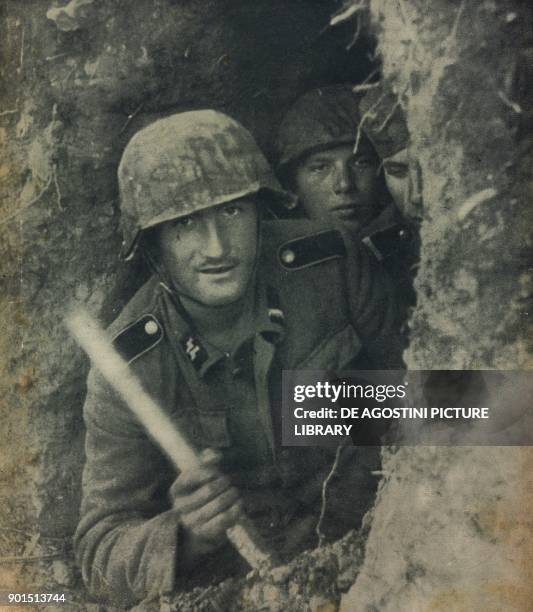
{"x": 343, "y": 180}
{"x": 215, "y": 243}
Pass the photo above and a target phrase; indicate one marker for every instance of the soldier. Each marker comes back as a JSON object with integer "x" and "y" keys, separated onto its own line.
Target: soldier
{"x": 383, "y": 121}
{"x": 330, "y": 164}
{"x": 328, "y": 160}
{"x": 233, "y": 300}
{"x": 316, "y": 158}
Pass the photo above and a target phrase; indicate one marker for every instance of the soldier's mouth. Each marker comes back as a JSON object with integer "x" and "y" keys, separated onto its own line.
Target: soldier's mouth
{"x": 351, "y": 211}
{"x": 219, "y": 270}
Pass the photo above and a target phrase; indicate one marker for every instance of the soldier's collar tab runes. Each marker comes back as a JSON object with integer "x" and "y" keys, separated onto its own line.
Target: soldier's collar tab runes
{"x": 194, "y": 350}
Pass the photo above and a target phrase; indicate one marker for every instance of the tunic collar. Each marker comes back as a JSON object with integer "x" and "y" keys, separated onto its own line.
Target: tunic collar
{"x": 268, "y": 322}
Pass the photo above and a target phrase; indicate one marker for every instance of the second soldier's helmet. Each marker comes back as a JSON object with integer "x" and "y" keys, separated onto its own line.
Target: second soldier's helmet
{"x": 321, "y": 118}
{"x": 185, "y": 163}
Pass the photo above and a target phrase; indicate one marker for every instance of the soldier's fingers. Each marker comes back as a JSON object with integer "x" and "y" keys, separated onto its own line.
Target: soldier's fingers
{"x": 218, "y": 505}
{"x": 194, "y": 500}
{"x": 216, "y": 526}
{"x": 191, "y": 480}
{"x": 210, "y": 456}
{"x": 206, "y": 471}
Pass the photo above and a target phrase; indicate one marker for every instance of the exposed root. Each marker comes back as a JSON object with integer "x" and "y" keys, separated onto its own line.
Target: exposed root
{"x": 367, "y": 115}
{"x": 332, "y": 472}
{"x": 131, "y": 117}
{"x": 355, "y": 37}
{"x": 347, "y": 13}
{"x": 514, "y": 106}
{"x": 30, "y": 559}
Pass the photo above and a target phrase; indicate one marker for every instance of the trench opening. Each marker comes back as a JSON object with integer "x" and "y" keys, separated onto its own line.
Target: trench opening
{"x": 281, "y": 52}
{"x": 251, "y": 60}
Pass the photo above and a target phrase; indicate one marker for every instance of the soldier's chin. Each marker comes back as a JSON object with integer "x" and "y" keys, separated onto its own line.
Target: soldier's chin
{"x": 222, "y": 295}
{"x": 352, "y": 224}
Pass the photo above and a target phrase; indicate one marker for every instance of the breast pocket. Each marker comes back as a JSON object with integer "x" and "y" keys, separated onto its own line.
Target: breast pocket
{"x": 203, "y": 416}
{"x": 335, "y": 352}
{"x": 212, "y": 429}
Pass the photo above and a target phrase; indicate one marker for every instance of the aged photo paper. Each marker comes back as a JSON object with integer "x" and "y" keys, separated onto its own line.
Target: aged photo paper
{"x": 312, "y": 185}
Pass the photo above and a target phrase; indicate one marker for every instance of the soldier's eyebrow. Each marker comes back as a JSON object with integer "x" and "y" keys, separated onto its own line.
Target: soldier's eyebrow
{"x": 318, "y": 157}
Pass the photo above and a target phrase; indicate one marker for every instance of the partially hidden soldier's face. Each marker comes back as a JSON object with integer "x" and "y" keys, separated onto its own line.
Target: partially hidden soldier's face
{"x": 210, "y": 255}
{"x": 402, "y": 177}
{"x": 340, "y": 185}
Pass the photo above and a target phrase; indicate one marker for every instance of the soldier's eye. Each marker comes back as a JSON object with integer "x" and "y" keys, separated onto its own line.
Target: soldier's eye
{"x": 363, "y": 161}
{"x": 186, "y": 221}
{"x": 232, "y": 210}
{"x": 396, "y": 169}
{"x": 318, "y": 166}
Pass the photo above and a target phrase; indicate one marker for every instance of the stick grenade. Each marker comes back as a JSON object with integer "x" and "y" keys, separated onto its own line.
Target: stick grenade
{"x": 92, "y": 338}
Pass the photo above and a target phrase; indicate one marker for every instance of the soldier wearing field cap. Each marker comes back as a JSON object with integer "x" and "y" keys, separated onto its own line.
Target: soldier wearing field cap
{"x": 383, "y": 122}
{"x": 233, "y": 300}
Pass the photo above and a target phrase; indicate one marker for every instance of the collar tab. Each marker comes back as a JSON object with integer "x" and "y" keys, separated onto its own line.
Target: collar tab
{"x": 138, "y": 338}
{"x": 194, "y": 349}
{"x": 275, "y": 313}
{"x": 311, "y": 250}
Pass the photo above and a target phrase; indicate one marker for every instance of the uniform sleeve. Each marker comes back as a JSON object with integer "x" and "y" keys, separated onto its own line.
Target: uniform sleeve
{"x": 373, "y": 307}
{"x": 127, "y": 538}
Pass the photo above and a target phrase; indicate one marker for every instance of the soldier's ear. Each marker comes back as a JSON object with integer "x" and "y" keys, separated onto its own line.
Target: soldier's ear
{"x": 288, "y": 176}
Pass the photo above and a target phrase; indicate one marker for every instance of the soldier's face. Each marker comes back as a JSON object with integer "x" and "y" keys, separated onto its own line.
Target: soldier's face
{"x": 336, "y": 184}
{"x": 402, "y": 177}
{"x": 210, "y": 255}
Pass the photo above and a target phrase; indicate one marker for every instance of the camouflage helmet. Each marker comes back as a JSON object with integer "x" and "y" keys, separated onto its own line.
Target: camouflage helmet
{"x": 323, "y": 117}
{"x": 185, "y": 163}
{"x": 383, "y": 121}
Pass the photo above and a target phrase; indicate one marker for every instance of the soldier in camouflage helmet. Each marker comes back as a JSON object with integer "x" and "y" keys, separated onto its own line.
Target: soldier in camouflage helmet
{"x": 233, "y": 300}
{"x": 187, "y": 163}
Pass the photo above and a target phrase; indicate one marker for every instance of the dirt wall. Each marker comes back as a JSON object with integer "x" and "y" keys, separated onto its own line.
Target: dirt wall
{"x": 452, "y": 526}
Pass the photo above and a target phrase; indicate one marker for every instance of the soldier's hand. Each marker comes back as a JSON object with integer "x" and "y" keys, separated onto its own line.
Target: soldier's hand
{"x": 208, "y": 505}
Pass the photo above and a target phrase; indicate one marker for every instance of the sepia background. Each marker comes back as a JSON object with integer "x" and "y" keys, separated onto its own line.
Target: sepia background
{"x": 451, "y": 529}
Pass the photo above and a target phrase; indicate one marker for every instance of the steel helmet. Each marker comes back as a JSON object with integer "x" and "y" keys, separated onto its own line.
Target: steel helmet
{"x": 324, "y": 117}
{"x": 185, "y": 163}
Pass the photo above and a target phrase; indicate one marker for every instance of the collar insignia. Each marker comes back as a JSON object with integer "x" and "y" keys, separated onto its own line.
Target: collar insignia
{"x": 276, "y": 315}
{"x": 194, "y": 350}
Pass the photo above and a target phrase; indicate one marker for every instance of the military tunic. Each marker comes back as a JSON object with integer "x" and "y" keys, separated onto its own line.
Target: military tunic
{"x": 320, "y": 303}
